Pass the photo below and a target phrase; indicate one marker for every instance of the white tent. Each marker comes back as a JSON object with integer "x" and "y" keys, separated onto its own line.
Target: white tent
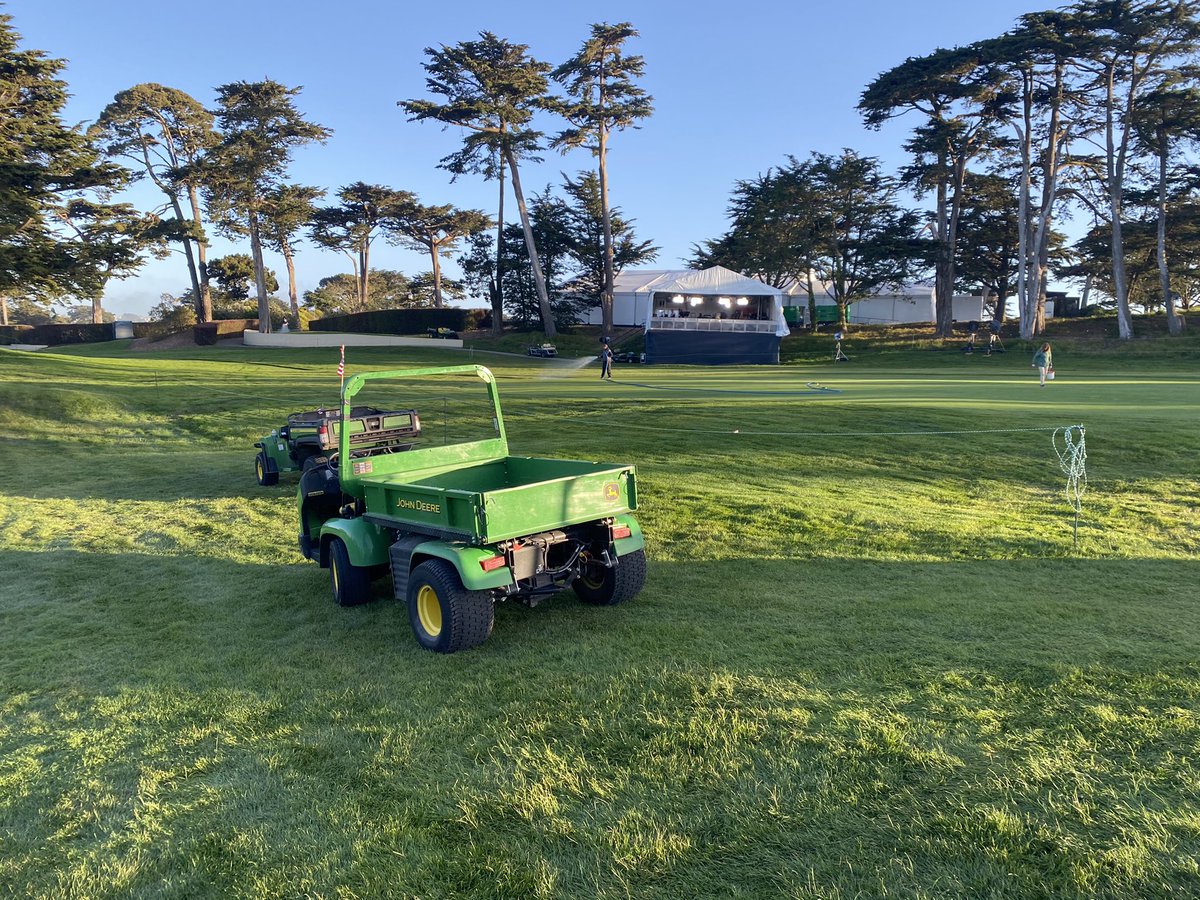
{"x": 634, "y": 291}
{"x": 913, "y": 302}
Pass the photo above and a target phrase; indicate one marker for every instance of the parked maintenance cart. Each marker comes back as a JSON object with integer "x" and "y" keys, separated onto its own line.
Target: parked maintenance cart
{"x": 464, "y": 525}
{"x": 309, "y": 437}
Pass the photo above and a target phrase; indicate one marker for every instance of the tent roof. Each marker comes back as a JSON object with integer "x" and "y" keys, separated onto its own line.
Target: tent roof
{"x": 638, "y": 281}
{"x": 714, "y": 280}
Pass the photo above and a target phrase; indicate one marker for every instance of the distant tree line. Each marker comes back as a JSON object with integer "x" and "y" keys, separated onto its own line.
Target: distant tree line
{"x": 1090, "y": 110}
{"x": 224, "y": 170}
{"x": 1087, "y": 112}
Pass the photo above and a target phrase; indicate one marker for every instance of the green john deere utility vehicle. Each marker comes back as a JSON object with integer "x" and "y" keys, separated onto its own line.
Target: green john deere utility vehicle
{"x": 460, "y": 523}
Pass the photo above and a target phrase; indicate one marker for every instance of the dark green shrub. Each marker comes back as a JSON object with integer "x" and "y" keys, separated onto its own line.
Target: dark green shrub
{"x": 404, "y": 321}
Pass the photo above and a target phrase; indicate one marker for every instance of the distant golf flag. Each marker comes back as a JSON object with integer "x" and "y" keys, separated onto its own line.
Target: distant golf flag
{"x": 342, "y": 372}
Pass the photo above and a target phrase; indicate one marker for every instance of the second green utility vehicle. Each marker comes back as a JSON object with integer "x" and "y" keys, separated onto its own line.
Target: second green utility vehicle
{"x": 461, "y": 524}
{"x": 309, "y": 437}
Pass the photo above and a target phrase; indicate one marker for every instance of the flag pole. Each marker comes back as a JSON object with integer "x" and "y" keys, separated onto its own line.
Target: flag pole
{"x": 342, "y": 374}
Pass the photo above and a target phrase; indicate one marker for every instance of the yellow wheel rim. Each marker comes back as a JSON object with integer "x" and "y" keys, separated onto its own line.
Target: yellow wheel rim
{"x": 593, "y": 580}
{"x": 258, "y": 469}
{"x": 336, "y": 581}
{"x": 429, "y": 610}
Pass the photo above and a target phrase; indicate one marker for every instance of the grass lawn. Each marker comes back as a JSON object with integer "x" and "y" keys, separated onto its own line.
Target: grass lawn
{"x": 863, "y": 664}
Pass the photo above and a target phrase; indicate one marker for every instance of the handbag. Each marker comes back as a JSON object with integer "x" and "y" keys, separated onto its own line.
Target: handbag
{"x": 1050, "y": 374}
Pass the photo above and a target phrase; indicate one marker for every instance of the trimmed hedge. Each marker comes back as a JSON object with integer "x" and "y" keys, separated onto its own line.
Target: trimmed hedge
{"x": 404, "y": 321}
{"x": 209, "y": 333}
{"x": 153, "y": 329}
{"x": 53, "y": 335}
{"x": 15, "y": 334}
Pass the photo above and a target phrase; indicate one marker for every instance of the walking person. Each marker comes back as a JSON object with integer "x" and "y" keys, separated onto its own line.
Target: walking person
{"x": 1043, "y": 360}
{"x": 606, "y": 358}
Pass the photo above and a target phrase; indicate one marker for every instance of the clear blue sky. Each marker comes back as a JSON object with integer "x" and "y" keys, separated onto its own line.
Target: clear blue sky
{"x": 737, "y": 86}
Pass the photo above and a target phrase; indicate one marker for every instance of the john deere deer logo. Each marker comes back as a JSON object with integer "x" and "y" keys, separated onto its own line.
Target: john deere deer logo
{"x": 612, "y": 493}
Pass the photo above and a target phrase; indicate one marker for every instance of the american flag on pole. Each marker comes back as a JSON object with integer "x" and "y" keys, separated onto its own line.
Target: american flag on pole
{"x": 342, "y": 363}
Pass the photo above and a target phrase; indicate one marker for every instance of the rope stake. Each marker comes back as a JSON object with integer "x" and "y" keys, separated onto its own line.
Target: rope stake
{"x": 1072, "y": 459}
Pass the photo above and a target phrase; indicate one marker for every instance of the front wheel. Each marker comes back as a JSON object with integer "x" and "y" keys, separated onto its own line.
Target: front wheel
{"x": 444, "y": 615}
{"x": 351, "y": 583}
{"x": 607, "y": 587}
{"x": 262, "y": 472}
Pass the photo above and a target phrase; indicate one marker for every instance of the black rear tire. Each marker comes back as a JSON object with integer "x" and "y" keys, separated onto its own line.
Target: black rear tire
{"x": 444, "y": 615}
{"x": 351, "y": 583}
{"x": 311, "y": 462}
{"x": 263, "y": 472}
{"x": 608, "y": 587}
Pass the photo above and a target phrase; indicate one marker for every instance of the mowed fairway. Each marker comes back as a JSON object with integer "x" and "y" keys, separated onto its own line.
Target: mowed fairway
{"x": 864, "y": 664}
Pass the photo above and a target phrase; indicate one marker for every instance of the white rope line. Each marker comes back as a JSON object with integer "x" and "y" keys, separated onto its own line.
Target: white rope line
{"x": 830, "y": 434}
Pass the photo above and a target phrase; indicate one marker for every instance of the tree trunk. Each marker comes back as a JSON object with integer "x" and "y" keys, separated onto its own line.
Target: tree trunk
{"x": 1024, "y": 223}
{"x": 1114, "y": 169}
{"x": 1033, "y": 288}
{"x": 498, "y": 290}
{"x": 539, "y": 280}
{"x": 293, "y": 301}
{"x": 204, "y": 301}
{"x": 1124, "y": 319}
{"x": 1041, "y": 236}
{"x": 3, "y": 310}
{"x": 946, "y": 315}
{"x": 97, "y": 311}
{"x": 1039, "y": 312}
{"x": 437, "y": 274}
{"x": 940, "y": 299}
{"x": 1174, "y": 323}
{"x": 1023, "y": 304}
{"x": 364, "y": 274}
{"x": 606, "y": 298}
{"x": 193, "y": 270}
{"x": 260, "y": 279}
{"x": 812, "y": 301}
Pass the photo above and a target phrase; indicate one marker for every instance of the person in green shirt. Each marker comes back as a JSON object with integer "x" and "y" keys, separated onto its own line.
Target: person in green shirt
{"x": 1043, "y": 360}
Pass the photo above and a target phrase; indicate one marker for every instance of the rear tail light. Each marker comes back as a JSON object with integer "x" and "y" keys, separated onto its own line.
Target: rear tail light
{"x": 492, "y": 563}
{"x": 621, "y": 531}
{"x": 323, "y": 433}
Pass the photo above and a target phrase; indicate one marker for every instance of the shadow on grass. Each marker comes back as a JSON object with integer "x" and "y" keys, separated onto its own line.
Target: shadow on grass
{"x": 771, "y": 727}
{"x": 180, "y": 472}
{"x": 197, "y": 726}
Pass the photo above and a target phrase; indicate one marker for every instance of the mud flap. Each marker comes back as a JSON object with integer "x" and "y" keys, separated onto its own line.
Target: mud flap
{"x": 400, "y": 554}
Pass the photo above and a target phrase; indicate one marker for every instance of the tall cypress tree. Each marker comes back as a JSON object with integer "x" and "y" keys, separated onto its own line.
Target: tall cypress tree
{"x": 604, "y": 97}
{"x": 259, "y": 126}
{"x": 43, "y": 164}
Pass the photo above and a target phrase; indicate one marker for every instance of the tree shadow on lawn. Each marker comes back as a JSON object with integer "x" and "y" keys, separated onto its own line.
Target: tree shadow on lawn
{"x": 764, "y": 726}
{"x": 137, "y": 473}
